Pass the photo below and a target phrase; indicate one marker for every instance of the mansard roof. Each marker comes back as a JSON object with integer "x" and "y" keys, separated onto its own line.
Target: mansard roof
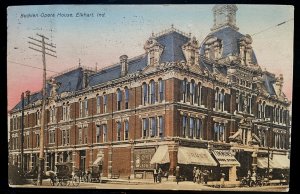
{"x": 70, "y": 81}
{"x": 268, "y": 83}
{"x": 114, "y": 72}
{"x": 230, "y": 38}
{"x": 172, "y": 42}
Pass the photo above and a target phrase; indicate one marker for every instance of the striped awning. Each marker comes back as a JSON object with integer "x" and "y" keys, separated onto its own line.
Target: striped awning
{"x": 197, "y": 156}
{"x": 161, "y": 155}
{"x": 277, "y": 162}
{"x": 225, "y": 158}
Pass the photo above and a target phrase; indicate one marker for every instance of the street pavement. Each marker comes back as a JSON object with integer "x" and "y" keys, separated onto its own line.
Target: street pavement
{"x": 148, "y": 185}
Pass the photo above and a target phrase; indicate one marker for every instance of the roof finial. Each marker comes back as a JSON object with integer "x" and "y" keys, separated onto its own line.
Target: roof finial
{"x": 190, "y": 34}
{"x": 96, "y": 66}
{"x": 152, "y": 34}
{"x": 79, "y": 63}
{"x": 172, "y": 26}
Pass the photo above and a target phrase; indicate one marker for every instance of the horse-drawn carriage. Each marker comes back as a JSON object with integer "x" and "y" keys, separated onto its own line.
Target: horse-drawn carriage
{"x": 65, "y": 176}
{"x": 94, "y": 173}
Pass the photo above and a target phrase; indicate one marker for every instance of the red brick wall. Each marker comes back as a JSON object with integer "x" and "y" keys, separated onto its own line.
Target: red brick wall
{"x": 121, "y": 158}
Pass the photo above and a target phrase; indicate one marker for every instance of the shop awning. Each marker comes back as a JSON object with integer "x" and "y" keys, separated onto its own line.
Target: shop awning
{"x": 198, "y": 156}
{"x": 161, "y": 155}
{"x": 277, "y": 162}
{"x": 225, "y": 158}
{"x": 98, "y": 160}
{"x": 282, "y": 160}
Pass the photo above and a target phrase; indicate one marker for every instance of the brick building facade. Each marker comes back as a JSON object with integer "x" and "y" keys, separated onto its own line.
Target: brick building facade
{"x": 211, "y": 104}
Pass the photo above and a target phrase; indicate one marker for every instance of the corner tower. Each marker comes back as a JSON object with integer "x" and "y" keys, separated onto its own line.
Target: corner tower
{"x": 224, "y": 15}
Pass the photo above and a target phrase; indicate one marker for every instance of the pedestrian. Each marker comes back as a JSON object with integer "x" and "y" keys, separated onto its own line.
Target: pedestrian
{"x": 155, "y": 175}
{"x": 194, "y": 174}
{"x": 197, "y": 175}
{"x": 159, "y": 175}
{"x": 222, "y": 180}
{"x": 205, "y": 176}
{"x": 177, "y": 174}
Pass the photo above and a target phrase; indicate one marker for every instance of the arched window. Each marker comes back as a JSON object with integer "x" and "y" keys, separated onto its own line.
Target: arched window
{"x": 161, "y": 88}
{"x": 263, "y": 110}
{"x": 259, "y": 111}
{"x": 152, "y": 92}
{"x": 126, "y": 97}
{"x": 145, "y": 93}
{"x": 191, "y": 128}
{"x": 119, "y": 99}
{"x": 104, "y": 132}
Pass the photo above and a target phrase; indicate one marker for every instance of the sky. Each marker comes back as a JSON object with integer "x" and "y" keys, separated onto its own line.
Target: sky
{"x": 102, "y": 33}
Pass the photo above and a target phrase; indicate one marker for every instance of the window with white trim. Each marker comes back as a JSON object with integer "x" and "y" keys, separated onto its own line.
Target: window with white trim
{"x": 104, "y": 102}
{"x": 119, "y": 99}
{"x": 145, "y": 127}
{"x": 86, "y": 109}
{"x": 104, "y": 128}
{"x": 98, "y": 133}
{"x": 152, "y": 92}
{"x": 161, "y": 88}
{"x": 126, "y": 98}
{"x": 52, "y": 136}
{"x": 161, "y": 126}
{"x": 126, "y": 130}
{"x": 98, "y": 104}
{"x": 80, "y": 108}
{"x": 118, "y": 131}
{"x": 145, "y": 93}
{"x": 219, "y": 132}
{"x": 152, "y": 129}
{"x": 65, "y": 136}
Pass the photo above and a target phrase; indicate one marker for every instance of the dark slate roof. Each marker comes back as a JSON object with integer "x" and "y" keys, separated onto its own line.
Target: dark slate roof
{"x": 33, "y": 98}
{"x": 70, "y": 81}
{"x": 268, "y": 83}
{"x": 114, "y": 72}
{"x": 172, "y": 43}
{"x": 229, "y": 37}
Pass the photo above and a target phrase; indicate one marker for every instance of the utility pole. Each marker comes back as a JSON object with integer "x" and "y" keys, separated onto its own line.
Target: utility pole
{"x": 40, "y": 46}
{"x": 22, "y": 133}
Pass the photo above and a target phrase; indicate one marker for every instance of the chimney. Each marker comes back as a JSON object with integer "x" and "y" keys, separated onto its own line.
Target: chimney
{"x": 124, "y": 65}
{"x": 85, "y": 79}
{"x": 27, "y": 96}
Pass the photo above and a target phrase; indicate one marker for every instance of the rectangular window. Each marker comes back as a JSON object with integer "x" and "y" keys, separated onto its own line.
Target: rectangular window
{"x": 152, "y": 92}
{"x": 126, "y": 134}
{"x": 161, "y": 126}
{"x": 86, "y": 110}
{"x": 183, "y": 88}
{"x": 28, "y": 141}
{"x": 85, "y": 135}
{"x": 37, "y": 140}
{"x": 80, "y": 108}
{"x": 104, "y": 133}
{"x": 119, "y": 99}
{"x": 191, "y": 127}
{"x": 118, "y": 131}
{"x": 80, "y": 136}
{"x": 145, "y": 127}
{"x": 184, "y": 125}
{"x": 152, "y": 127}
{"x": 161, "y": 85}
{"x": 52, "y": 136}
{"x": 64, "y": 113}
{"x": 98, "y": 135}
{"x": 126, "y": 98}
{"x": 105, "y": 103}
{"x": 98, "y": 104}
{"x": 198, "y": 128}
{"x": 145, "y": 93}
